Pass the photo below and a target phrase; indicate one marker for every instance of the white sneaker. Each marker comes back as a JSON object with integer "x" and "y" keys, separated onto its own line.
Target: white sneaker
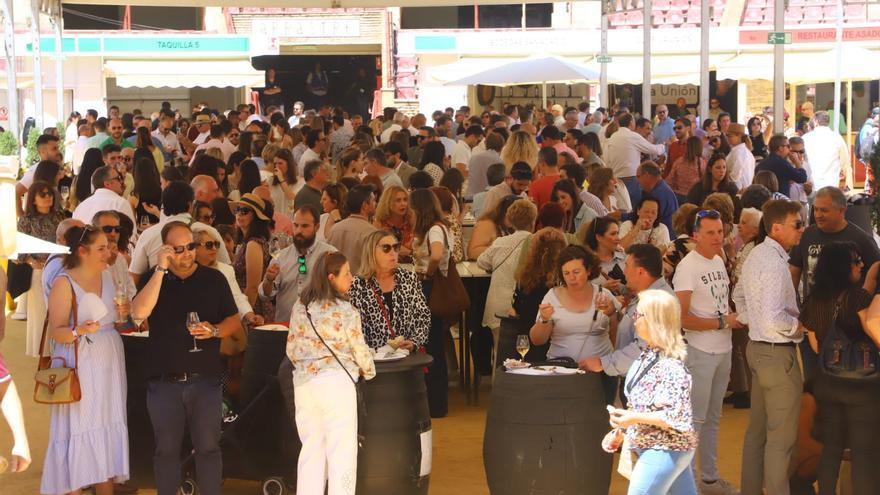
{"x": 719, "y": 487}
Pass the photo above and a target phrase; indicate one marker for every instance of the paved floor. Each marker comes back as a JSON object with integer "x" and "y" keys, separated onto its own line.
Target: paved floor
{"x": 458, "y": 439}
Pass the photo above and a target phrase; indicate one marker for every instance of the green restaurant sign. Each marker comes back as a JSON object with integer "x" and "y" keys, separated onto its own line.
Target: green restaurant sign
{"x": 148, "y": 44}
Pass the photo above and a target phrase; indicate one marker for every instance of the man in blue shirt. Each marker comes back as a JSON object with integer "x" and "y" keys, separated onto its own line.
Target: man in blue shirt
{"x": 651, "y": 183}
{"x": 778, "y": 163}
{"x": 664, "y": 128}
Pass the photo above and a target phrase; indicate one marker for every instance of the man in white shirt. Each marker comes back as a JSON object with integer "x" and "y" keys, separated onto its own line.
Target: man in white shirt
{"x": 85, "y": 132}
{"x": 170, "y": 144}
{"x": 740, "y": 161}
{"x": 396, "y": 125}
{"x": 108, "y": 186}
{"x": 461, "y": 154}
{"x": 443, "y": 126}
{"x": 203, "y": 125}
{"x": 828, "y": 154}
{"x": 623, "y": 153}
{"x": 480, "y": 163}
{"x": 770, "y": 309}
{"x": 296, "y": 116}
{"x": 316, "y": 143}
{"x": 177, "y": 200}
{"x": 702, "y": 287}
{"x": 217, "y": 140}
{"x": 48, "y": 148}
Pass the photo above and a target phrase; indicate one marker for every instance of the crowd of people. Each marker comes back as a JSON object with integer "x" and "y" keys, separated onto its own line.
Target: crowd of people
{"x": 703, "y": 263}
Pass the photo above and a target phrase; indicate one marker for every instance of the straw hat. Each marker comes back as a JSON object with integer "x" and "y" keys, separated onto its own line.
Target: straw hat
{"x": 203, "y": 119}
{"x": 735, "y": 128}
{"x": 254, "y": 202}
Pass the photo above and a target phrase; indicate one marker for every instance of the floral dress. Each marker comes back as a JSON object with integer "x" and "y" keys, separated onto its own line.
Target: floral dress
{"x": 657, "y": 383}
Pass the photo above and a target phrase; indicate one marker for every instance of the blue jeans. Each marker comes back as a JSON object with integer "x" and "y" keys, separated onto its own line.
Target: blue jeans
{"x": 173, "y": 407}
{"x": 659, "y": 472}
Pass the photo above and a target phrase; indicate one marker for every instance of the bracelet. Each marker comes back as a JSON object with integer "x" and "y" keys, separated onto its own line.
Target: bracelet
{"x": 161, "y": 270}
{"x": 546, "y": 322}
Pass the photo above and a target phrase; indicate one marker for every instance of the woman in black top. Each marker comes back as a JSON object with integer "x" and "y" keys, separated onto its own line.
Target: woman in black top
{"x": 146, "y": 195}
{"x": 759, "y": 138}
{"x": 389, "y": 298}
{"x": 534, "y": 278}
{"x": 716, "y": 178}
{"x": 847, "y": 410}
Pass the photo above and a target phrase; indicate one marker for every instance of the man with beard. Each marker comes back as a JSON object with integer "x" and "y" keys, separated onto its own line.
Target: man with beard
{"x": 291, "y": 271}
{"x": 184, "y": 392}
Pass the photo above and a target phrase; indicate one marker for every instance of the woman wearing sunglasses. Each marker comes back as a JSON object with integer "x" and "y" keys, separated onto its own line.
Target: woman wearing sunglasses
{"x": 253, "y": 217}
{"x": 207, "y": 248}
{"x": 659, "y": 421}
{"x": 42, "y": 214}
{"x": 389, "y": 298}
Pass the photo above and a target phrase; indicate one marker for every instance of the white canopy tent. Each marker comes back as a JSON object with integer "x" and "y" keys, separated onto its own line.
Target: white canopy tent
{"x": 532, "y": 70}
{"x": 804, "y": 67}
{"x": 184, "y": 73}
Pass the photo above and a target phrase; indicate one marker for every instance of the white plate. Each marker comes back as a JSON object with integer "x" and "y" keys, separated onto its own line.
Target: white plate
{"x": 386, "y": 359}
{"x": 272, "y": 327}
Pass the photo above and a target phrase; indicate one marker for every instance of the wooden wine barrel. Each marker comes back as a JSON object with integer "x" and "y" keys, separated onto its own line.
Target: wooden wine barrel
{"x": 396, "y": 457}
{"x": 543, "y": 436}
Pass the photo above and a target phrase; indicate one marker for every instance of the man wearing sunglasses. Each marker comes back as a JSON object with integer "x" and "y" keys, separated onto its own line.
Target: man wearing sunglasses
{"x": 767, "y": 302}
{"x": 778, "y": 163}
{"x": 108, "y": 186}
{"x": 702, "y": 287}
{"x": 184, "y": 390}
{"x": 682, "y": 129}
{"x": 289, "y": 273}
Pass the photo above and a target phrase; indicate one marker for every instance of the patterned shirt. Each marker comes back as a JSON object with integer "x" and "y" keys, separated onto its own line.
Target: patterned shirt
{"x": 663, "y": 387}
{"x": 339, "y": 324}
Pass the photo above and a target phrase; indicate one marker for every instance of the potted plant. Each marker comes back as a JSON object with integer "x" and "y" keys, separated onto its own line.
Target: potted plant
{"x": 9, "y": 155}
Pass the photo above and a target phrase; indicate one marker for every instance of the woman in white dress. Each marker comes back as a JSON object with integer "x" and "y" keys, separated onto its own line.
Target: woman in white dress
{"x": 88, "y": 440}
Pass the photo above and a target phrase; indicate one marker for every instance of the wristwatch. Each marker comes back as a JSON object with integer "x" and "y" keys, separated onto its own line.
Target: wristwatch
{"x": 215, "y": 332}
{"x": 159, "y": 269}
{"x": 543, "y": 321}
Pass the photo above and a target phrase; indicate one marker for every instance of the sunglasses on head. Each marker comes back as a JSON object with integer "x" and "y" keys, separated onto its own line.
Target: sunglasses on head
{"x": 186, "y": 247}
{"x": 210, "y": 244}
{"x": 243, "y": 211}
{"x": 386, "y": 248}
{"x": 86, "y": 230}
{"x": 712, "y": 214}
{"x": 111, "y": 228}
{"x": 302, "y": 264}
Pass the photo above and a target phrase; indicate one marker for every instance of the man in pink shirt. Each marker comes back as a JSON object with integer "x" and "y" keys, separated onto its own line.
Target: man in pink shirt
{"x": 550, "y": 136}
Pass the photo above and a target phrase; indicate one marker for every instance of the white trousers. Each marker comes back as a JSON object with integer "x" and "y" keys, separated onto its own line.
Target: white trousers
{"x": 36, "y": 314}
{"x": 326, "y": 416}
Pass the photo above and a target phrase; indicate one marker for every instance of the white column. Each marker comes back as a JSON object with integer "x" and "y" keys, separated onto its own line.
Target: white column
{"x": 778, "y": 69}
{"x": 838, "y": 45}
{"x": 59, "y": 64}
{"x": 38, "y": 76}
{"x": 603, "y": 50}
{"x": 11, "y": 82}
{"x": 646, "y": 62}
{"x": 705, "y": 23}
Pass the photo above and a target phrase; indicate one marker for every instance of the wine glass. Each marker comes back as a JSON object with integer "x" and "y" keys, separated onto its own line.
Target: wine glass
{"x": 120, "y": 298}
{"x": 144, "y": 223}
{"x": 192, "y": 321}
{"x": 522, "y": 345}
{"x": 65, "y": 193}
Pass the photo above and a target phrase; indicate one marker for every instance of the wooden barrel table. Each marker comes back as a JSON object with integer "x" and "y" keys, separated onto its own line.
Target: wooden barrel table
{"x": 543, "y": 436}
{"x": 396, "y": 457}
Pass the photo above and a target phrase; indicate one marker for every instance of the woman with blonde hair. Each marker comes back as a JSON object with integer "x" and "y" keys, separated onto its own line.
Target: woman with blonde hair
{"x": 659, "y": 421}
{"x": 520, "y": 147}
{"x": 393, "y": 213}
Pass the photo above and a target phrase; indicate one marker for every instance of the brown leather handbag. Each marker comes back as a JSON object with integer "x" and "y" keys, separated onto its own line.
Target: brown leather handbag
{"x": 448, "y": 295}
{"x": 58, "y": 384}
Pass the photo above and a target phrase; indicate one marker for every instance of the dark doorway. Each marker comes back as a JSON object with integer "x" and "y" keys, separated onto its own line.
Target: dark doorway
{"x": 351, "y": 80}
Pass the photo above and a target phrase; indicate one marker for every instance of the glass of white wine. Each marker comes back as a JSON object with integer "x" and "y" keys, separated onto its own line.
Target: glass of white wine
{"x": 522, "y": 345}
{"x": 144, "y": 223}
{"x": 192, "y": 321}
{"x": 120, "y": 298}
{"x": 65, "y": 193}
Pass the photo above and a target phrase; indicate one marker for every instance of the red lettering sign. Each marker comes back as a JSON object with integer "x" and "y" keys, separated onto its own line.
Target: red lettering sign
{"x": 819, "y": 35}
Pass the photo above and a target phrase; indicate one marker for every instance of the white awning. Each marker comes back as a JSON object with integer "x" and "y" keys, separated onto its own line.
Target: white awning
{"x": 804, "y": 67}
{"x": 184, "y": 73}
{"x": 665, "y": 69}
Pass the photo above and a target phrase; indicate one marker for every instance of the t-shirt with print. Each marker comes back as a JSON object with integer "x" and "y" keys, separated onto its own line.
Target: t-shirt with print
{"x": 707, "y": 280}
{"x": 805, "y": 254}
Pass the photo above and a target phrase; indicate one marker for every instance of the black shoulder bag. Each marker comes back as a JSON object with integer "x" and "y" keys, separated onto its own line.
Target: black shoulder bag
{"x": 358, "y": 387}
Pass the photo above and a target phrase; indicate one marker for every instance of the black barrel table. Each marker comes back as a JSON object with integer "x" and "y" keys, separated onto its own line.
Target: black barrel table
{"x": 544, "y": 433}
{"x": 396, "y": 457}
